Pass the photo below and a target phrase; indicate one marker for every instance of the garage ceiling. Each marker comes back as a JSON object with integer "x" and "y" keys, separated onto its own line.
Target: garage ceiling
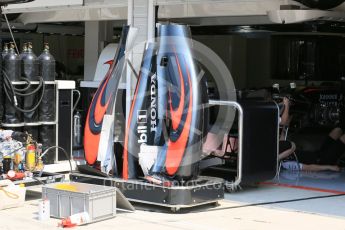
{"x": 200, "y": 12}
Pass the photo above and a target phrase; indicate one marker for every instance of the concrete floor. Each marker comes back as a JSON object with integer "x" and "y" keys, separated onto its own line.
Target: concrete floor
{"x": 228, "y": 215}
{"x": 315, "y": 201}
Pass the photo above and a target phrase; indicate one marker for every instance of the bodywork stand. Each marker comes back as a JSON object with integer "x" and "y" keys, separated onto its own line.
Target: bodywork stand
{"x": 204, "y": 190}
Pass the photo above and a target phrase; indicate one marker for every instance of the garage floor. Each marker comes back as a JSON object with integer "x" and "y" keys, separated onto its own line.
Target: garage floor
{"x": 223, "y": 217}
{"x": 319, "y": 193}
{"x": 315, "y": 201}
{"x": 326, "y": 181}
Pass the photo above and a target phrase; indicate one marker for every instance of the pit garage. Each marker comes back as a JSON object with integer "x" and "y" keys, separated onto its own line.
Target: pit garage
{"x": 197, "y": 107}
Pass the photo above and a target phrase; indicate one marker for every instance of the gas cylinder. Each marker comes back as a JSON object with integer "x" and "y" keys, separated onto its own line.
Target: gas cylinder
{"x": 47, "y": 64}
{"x": 12, "y": 64}
{"x": 30, "y": 158}
{"x": 47, "y": 71}
{"x": 30, "y": 68}
{"x": 24, "y": 51}
{"x": 12, "y": 71}
{"x": 30, "y": 64}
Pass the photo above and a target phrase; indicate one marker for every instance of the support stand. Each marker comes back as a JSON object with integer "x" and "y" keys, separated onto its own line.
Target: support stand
{"x": 204, "y": 190}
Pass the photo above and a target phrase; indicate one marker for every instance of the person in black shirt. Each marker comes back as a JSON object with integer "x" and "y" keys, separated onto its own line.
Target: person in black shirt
{"x": 326, "y": 158}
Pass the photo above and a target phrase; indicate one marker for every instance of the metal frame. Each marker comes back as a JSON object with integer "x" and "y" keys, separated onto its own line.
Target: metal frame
{"x": 233, "y": 186}
{"x": 236, "y": 105}
{"x": 174, "y": 197}
{"x": 60, "y": 166}
{"x": 31, "y": 124}
{"x": 66, "y": 85}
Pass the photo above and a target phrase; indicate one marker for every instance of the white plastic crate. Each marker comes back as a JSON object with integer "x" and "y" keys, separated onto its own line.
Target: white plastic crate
{"x": 70, "y": 198}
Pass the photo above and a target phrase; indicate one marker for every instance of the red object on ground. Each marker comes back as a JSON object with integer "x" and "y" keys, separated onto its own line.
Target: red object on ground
{"x": 66, "y": 223}
{"x": 12, "y": 175}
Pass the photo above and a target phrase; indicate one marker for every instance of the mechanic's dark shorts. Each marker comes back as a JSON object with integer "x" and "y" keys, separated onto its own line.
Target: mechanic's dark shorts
{"x": 284, "y": 145}
{"x": 303, "y": 157}
{"x": 306, "y": 157}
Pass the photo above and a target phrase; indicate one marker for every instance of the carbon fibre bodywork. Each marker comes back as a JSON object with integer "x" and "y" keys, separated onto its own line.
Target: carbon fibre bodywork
{"x": 143, "y": 126}
{"x": 179, "y": 108}
{"x": 103, "y": 101}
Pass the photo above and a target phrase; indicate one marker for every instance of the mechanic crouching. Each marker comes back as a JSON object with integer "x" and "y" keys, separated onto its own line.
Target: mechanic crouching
{"x": 326, "y": 158}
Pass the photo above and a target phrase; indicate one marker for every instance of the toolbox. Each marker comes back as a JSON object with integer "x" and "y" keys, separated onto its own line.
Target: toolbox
{"x": 71, "y": 198}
